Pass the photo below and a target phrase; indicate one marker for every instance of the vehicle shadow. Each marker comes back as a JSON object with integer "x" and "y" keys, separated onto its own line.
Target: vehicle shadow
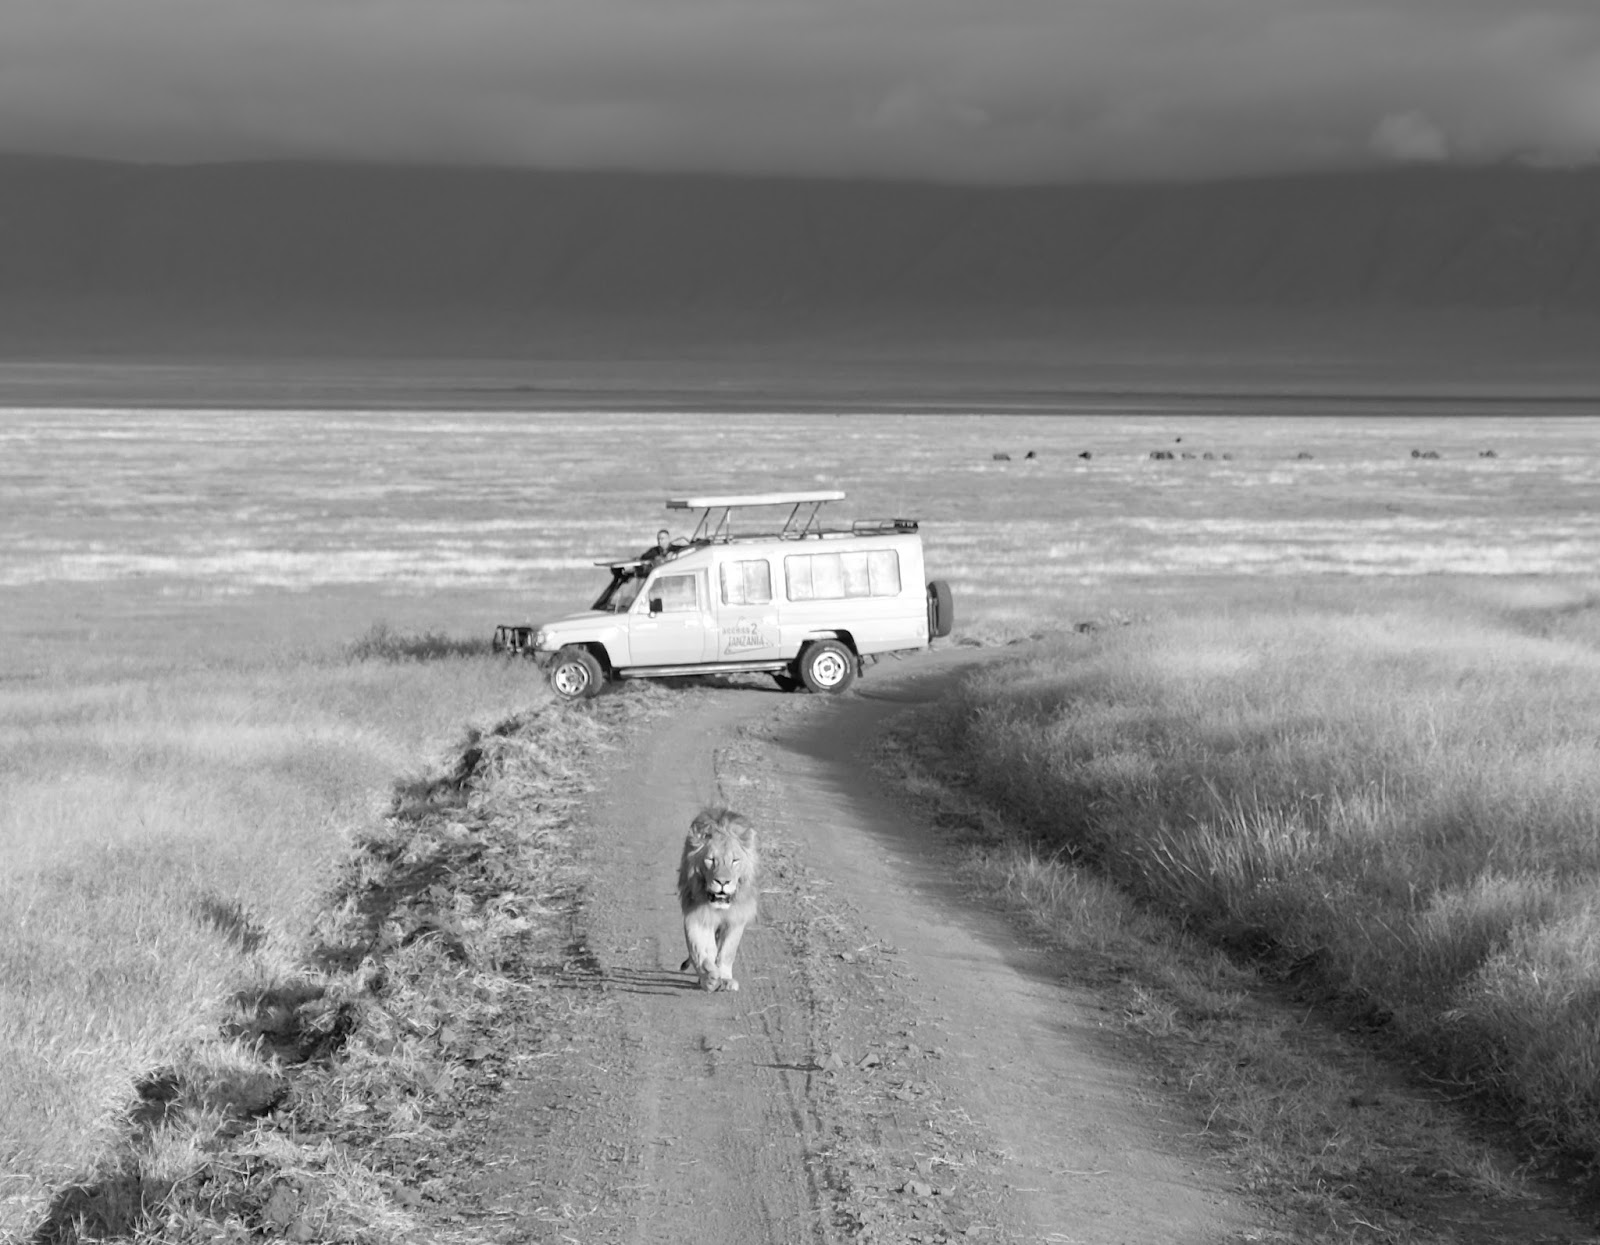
{"x": 740, "y": 682}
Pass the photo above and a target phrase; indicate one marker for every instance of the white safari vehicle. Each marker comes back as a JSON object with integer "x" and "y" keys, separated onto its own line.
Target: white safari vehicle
{"x": 783, "y": 595}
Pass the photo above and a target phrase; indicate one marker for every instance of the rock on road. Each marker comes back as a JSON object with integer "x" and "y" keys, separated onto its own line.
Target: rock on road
{"x": 900, "y": 1064}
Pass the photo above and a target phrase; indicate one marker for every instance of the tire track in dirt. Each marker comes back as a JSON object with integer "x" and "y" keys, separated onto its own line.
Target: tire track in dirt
{"x": 1088, "y": 1150}
{"x": 694, "y": 1123}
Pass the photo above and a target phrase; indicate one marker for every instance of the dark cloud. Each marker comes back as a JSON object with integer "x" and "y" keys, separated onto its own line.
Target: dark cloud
{"x": 964, "y": 89}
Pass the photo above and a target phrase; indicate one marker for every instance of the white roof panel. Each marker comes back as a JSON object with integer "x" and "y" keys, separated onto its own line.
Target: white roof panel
{"x": 752, "y": 499}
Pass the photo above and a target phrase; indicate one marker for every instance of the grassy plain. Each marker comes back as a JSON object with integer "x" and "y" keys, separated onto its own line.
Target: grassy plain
{"x": 1389, "y": 789}
{"x": 1355, "y": 718}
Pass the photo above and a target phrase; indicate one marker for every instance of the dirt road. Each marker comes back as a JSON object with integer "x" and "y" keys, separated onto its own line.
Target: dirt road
{"x": 898, "y": 1065}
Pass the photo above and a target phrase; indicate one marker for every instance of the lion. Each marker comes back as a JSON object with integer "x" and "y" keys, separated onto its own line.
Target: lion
{"x": 717, "y": 888}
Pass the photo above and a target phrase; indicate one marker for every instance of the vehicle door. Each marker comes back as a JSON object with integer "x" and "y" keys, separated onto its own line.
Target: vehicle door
{"x": 671, "y": 623}
{"x": 747, "y": 616}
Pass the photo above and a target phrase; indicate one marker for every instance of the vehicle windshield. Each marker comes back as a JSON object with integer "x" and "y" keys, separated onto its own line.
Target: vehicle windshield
{"x": 623, "y": 589}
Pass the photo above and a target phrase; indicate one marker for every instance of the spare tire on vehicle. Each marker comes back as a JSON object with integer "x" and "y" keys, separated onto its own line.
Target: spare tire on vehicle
{"x": 941, "y": 610}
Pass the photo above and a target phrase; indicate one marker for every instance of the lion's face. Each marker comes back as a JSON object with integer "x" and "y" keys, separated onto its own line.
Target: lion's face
{"x": 722, "y": 865}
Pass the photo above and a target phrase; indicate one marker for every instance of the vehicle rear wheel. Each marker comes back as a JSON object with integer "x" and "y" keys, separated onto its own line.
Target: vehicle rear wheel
{"x": 827, "y": 666}
{"x": 941, "y": 610}
{"x": 576, "y": 674}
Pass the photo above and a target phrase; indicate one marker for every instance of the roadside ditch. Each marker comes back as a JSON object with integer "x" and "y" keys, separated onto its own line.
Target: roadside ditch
{"x": 338, "y": 1096}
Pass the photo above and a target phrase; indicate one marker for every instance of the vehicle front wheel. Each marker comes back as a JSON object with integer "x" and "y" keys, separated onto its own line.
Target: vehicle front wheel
{"x": 827, "y": 666}
{"x": 576, "y": 674}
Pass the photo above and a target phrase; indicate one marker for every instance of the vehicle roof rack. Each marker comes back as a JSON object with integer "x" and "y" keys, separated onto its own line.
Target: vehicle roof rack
{"x": 716, "y": 519}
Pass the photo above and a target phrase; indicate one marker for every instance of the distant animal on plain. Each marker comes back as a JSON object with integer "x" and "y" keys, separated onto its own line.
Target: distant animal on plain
{"x": 1424, "y": 453}
{"x": 717, "y": 891}
{"x": 1085, "y": 454}
{"x": 1030, "y": 454}
{"x": 1303, "y": 456}
{"x": 1001, "y": 458}
{"x": 1208, "y": 456}
{"x": 1487, "y": 454}
{"x": 1162, "y": 455}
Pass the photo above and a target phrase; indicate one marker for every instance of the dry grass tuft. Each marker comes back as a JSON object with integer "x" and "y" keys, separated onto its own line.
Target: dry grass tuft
{"x": 383, "y": 643}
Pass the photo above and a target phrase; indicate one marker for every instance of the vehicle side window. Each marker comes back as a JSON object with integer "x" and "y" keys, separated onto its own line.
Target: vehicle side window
{"x": 746, "y": 583}
{"x": 676, "y": 594}
{"x": 836, "y": 576}
{"x": 883, "y": 572}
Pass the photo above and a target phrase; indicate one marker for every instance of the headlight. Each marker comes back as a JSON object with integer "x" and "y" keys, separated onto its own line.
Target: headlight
{"x": 539, "y": 639}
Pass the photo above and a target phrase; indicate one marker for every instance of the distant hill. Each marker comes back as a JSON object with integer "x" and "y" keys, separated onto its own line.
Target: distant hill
{"x": 110, "y": 249}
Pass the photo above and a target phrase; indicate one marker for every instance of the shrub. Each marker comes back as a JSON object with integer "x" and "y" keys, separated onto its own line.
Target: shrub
{"x": 381, "y": 643}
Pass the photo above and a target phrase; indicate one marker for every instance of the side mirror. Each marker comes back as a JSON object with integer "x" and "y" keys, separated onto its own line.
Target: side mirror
{"x": 655, "y": 605}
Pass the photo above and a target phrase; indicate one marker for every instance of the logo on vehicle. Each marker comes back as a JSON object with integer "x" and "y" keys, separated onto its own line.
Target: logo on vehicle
{"x": 744, "y": 635}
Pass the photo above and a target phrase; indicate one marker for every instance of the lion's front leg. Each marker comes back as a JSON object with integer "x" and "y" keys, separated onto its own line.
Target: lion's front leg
{"x": 727, "y": 948}
{"x": 701, "y": 936}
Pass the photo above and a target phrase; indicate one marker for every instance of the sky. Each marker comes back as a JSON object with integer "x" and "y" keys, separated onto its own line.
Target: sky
{"x": 951, "y": 90}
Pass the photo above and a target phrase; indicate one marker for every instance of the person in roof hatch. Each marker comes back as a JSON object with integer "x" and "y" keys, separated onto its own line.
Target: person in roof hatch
{"x": 657, "y": 551}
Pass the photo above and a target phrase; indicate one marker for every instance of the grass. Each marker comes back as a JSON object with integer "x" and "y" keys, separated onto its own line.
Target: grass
{"x": 1320, "y": 1129}
{"x": 1394, "y": 790}
{"x": 170, "y": 837}
{"x": 335, "y": 1096}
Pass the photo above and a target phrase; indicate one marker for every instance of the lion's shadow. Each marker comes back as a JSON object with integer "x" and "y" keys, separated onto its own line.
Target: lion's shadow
{"x": 650, "y": 981}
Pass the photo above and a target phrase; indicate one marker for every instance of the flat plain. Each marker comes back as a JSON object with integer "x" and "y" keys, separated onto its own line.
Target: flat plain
{"x": 141, "y": 532}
